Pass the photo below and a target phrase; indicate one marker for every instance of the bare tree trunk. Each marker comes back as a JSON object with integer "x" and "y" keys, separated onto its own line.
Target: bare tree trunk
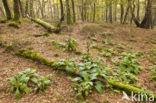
{"x": 127, "y": 11}
{"x": 94, "y": 14}
{"x": 62, "y": 10}
{"x": 73, "y": 8}
{"x": 26, "y": 7}
{"x": 31, "y": 8}
{"x": 7, "y": 10}
{"x": 82, "y": 10}
{"x": 115, "y": 12}
{"x": 68, "y": 12}
{"x": 147, "y": 21}
{"x": 21, "y": 8}
{"x": 122, "y": 12}
{"x": 106, "y": 13}
{"x": 110, "y": 12}
{"x": 16, "y": 10}
{"x": 1, "y": 9}
{"x": 138, "y": 10}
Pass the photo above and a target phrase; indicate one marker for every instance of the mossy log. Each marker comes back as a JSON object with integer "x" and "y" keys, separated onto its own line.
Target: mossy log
{"x": 47, "y": 26}
{"x": 34, "y": 56}
{"x": 126, "y": 87}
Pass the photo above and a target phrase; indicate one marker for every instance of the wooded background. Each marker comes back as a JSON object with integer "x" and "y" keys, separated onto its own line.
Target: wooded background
{"x": 110, "y": 11}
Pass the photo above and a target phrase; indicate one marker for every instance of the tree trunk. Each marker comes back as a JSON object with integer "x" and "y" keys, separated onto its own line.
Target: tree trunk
{"x": 21, "y": 8}
{"x": 82, "y": 10}
{"x": 122, "y": 12}
{"x": 73, "y": 8}
{"x": 115, "y": 12}
{"x": 16, "y": 10}
{"x": 62, "y": 10}
{"x": 26, "y": 7}
{"x": 127, "y": 11}
{"x": 1, "y": 9}
{"x": 106, "y": 13}
{"x": 31, "y": 8}
{"x": 138, "y": 10}
{"x": 68, "y": 12}
{"x": 94, "y": 14}
{"x": 110, "y": 12}
{"x": 7, "y": 10}
{"x": 147, "y": 21}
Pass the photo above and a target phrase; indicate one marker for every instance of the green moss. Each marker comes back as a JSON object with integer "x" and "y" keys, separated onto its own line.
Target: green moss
{"x": 3, "y": 20}
{"x": 125, "y": 87}
{"x": 37, "y": 26}
{"x": 9, "y": 47}
{"x": 13, "y": 24}
{"x": 26, "y": 19}
{"x": 35, "y": 56}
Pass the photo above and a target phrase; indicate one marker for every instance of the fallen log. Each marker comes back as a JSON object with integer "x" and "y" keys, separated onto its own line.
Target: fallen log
{"x": 36, "y": 57}
{"x": 47, "y": 26}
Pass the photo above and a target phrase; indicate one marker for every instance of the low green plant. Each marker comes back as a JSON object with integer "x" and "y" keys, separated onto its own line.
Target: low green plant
{"x": 108, "y": 52}
{"x": 152, "y": 55}
{"x": 153, "y": 70}
{"x": 126, "y": 66}
{"x": 71, "y": 44}
{"x": 58, "y": 44}
{"x": 108, "y": 42}
{"x": 89, "y": 70}
{"x": 106, "y": 33}
{"x": 20, "y": 83}
{"x": 69, "y": 65}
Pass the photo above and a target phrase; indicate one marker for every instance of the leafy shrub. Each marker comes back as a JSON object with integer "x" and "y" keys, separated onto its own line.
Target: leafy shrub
{"x": 129, "y": 63}
{"x": 153, "y": 70}
{"x": 108, "y": 52}
{"x": 71, "y": 44}
{"x": 126, "y": 67}
{"x": 58, "y": 44}
{"x": 69, "y": 64}
{"x": 108, "y": 42}
{"x": 21, "y": 81}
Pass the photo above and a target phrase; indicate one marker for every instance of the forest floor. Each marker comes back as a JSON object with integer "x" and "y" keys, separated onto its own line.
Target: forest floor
{"x": 128, "y": 39}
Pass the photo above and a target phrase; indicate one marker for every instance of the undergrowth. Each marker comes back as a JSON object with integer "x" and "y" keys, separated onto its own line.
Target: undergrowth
{"x": 28, "y": 81}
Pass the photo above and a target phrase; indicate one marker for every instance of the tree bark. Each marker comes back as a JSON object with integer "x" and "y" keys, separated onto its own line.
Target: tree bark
{"x": 110, "y": 12}
{"x": 7, "y": 10}
{"x": 82, "y": 10}
{"x": 127, "y": 11}
{"x": 73, "y": 8}
{"x": 62, "y": 10}
{"x": 94, "y": 14}
{"x": 21, "y": 8}
{"x": 31, "y": 8}
{"x": 122, "y": 12}
{"x": 138, "y": 10}
{"x": 16, "y": 10}
{"x": 68, "y": 12}
{"x": 26, "y": 7}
